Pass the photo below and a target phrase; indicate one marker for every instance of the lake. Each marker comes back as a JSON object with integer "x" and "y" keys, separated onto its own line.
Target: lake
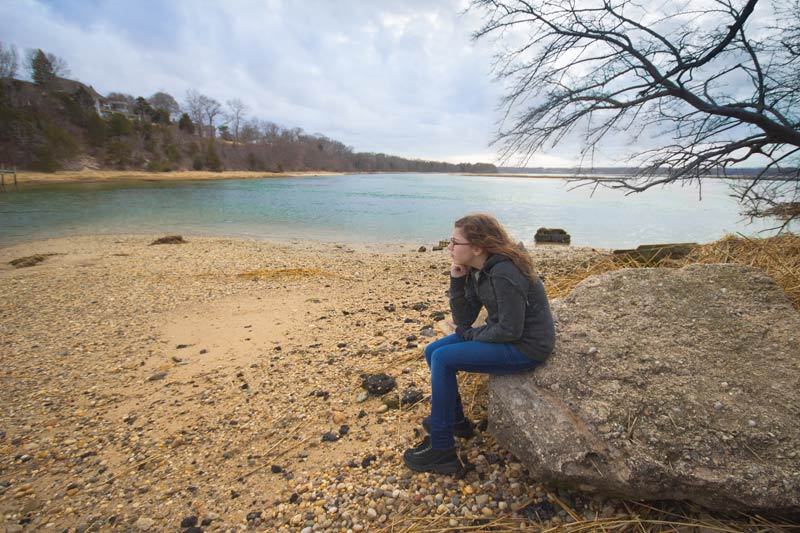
{"x": 370, "y": 208}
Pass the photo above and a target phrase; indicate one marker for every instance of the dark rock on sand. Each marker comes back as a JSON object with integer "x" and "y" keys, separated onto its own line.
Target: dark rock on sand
{"x": 27, "y": 261}
{"x": 411, "y": 396}
{"x": 189, "y": 521}
{"x": 169, "y": 239}
{"x": 378, "y": 384}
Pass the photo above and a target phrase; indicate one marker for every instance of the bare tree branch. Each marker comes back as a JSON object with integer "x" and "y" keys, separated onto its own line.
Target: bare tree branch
{"x": 612, "y": 66}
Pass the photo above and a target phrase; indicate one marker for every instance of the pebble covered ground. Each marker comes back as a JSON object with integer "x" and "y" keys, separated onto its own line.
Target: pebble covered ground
{"x": 216, "y": 386}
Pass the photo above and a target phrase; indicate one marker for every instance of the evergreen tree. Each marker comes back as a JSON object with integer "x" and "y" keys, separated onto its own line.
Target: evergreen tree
{"x": 42, "y": 69}
{"x": 212, "y": 161}
{"x": 185, "y": 124}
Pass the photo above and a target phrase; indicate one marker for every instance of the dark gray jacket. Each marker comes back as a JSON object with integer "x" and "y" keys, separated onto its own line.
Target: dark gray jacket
{"x": 517, "y": 308}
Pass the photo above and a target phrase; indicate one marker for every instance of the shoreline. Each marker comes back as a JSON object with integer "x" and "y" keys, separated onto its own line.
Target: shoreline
{"x": 101, "y": 176}
{"x": 384, "y": 247}
{"x": 95, "y": 176}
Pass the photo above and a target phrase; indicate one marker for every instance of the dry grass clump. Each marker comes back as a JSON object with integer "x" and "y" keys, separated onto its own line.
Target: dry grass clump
{"x": 286, "y": 273}
{"x": 778, "y": 256}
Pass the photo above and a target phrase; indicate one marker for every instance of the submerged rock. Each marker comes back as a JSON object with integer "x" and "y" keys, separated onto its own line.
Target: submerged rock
{"x": 665, "y": 384}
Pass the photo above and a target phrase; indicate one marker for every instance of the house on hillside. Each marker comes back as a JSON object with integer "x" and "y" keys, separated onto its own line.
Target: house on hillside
{"x": 86, "y": 94}
{"x": 106, "y": 107}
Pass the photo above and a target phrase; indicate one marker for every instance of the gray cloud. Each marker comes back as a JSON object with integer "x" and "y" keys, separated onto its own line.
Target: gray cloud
{"x": 395, "y": 77}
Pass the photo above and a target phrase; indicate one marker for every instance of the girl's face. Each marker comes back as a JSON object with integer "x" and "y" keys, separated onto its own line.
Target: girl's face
{"x": 461, "y": 251}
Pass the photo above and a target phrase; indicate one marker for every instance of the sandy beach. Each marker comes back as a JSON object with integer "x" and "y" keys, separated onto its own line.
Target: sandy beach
{"x": 89, "y": 176}
{"x": 218, "y": 381}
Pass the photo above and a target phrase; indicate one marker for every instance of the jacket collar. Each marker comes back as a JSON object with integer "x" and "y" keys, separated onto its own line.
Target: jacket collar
{"x": 492, "y": 261}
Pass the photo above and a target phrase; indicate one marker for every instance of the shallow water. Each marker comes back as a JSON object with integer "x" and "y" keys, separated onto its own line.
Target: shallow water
{"x": 403, "y": 208}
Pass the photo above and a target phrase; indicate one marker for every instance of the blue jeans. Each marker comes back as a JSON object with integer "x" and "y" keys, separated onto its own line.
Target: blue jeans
{"x": 450, "y": 354}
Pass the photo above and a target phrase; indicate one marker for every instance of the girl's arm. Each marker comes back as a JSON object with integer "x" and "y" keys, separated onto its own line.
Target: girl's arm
{"x": 511, "y": 303}
{"x": 464, "y": 303}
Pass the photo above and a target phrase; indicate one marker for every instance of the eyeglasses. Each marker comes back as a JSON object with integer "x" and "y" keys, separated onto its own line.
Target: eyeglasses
{"x": 454, "y": 242}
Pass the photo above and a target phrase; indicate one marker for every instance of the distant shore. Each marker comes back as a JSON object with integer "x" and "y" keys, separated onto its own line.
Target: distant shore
{"x": 91, "y": 176}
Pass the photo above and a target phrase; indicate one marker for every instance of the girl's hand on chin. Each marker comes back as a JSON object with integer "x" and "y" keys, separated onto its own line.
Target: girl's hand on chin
{"x": 458, "y": 271}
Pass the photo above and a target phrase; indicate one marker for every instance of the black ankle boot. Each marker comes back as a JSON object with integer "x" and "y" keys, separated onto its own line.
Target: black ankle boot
{"x": 425, "y": 458}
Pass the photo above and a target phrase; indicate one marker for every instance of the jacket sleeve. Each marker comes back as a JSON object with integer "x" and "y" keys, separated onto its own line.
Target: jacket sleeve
{"x": 464, "y": 303}
{"x": 511, "y": 303}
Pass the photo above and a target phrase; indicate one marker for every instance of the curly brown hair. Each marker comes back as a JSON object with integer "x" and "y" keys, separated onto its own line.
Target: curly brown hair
{"x": 484, "y": 231}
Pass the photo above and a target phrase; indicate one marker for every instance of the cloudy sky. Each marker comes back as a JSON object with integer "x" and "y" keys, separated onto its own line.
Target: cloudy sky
{"x": 401, "y": 77}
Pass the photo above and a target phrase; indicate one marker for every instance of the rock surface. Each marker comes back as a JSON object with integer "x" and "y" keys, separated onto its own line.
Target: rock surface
{"x": 665, "y": 384}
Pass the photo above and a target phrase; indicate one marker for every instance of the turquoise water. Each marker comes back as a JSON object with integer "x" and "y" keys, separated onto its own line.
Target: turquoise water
{"x": 403, "y": 208}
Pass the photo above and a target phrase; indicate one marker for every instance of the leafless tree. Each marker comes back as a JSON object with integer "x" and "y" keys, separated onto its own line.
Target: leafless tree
{"x": 236, "y": 111}
{"x": 715, "y": 82}
{"x": 194, "y": 106}
{"x": 9, "y": 60}
{"x": 211, "y": 110}
{"x": 165, "y": 102}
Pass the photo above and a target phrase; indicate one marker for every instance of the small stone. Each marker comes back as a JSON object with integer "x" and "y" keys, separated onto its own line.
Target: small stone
{"x": 276, "y": 469}
{"x": 189, "y": 521}
{"x": 330, "y": 437}
{"x": 144, "y": 523}
{"x": 362, "y": 397}
{"x": 411, "y": 396}
{"x": 157, "y": 376}
{"x": 391, "y": 401}
{"x": 378, "y": 384}
{"x": 427, "y": 332}
{"x": 421, "y": 249}
{"x": 486, "y": 511}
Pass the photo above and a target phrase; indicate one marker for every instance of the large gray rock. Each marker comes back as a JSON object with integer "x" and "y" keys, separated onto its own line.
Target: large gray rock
{"x": 665, "y": 384}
